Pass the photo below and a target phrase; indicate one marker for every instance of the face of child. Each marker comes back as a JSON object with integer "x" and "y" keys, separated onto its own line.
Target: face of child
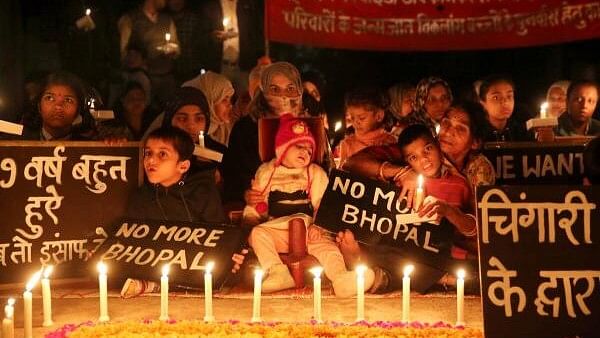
{"x": 582, "y": 103}
{"x": 223, "y": 109}
{"x": 424, "y": 157}
{"x": 298, "y": 155}
{"x": 58, "y": 107}
{"x": 455, "y": 134}
{"x": 557, "y": 101}
{"x": 190, "y": 119}
{"x": 364, "y": 120}
{"x": 499, "y": 101}
{"x": 161, "y": 163}
{"x": 437, "y": 102}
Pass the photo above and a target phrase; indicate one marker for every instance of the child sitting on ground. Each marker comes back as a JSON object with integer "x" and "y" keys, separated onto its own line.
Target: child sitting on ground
{"x": 293, "y": 187}
{"x": 366, "y": 108}
{"x": 175, "y": 191}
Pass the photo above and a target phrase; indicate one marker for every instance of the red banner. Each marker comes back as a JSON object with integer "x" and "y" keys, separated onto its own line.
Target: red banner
{"x": 430, "y": 25}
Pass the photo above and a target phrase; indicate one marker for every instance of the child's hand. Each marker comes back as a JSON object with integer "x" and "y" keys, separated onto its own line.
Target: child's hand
{"x": 314, "y": 233}
{"x": 253, "y": 196}
{"x": 238, "y": 260}
{"x": 434, "y": 207}
{"x": 408, "y": 181}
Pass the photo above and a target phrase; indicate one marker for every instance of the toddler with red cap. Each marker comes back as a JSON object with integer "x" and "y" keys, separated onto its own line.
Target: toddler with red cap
{"x": 293, "y": 186}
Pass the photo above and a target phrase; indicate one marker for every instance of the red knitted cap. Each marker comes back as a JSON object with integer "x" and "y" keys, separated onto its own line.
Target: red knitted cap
{"x": 291, "y": 131}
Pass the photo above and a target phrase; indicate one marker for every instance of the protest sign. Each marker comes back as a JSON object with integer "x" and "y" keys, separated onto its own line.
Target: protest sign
{"x": 58, "y": 200}
{"x": 376, "y": 215}
{"x": 140, "y": 248}
{"x": 539, "y": 266}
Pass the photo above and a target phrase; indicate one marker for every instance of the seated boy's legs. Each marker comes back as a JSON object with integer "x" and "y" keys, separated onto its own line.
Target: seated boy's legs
{"x": 267, "y": 244}
{"x": 329, "y": 256}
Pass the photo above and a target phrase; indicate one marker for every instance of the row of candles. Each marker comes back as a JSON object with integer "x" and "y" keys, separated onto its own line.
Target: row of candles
{"x": 8, "y": 322}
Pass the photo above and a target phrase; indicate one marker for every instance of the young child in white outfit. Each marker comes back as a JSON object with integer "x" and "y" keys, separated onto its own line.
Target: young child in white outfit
{"x": 293, "y": 187}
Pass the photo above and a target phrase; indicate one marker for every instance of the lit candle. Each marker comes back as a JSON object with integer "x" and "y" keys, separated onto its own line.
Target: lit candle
{"x": 225, "y": 22}
{"x": 164, "y": 293}
{"x": 208, "y": 305}
{"x": 88, "y": 12}
{"x": 460, "y": 297}
{"x": 419, "y": 195}
{"x": 167, "y": 37}
{"x": 338, "y": 126}
{"x": 47, "y": 296}
{"x": 27, "y": 306}
{"x": 316, "y": 271}
{"x": 360, "y": 292}
{"x": 8, "y": 324}
{"x": 406, "y": 293}
{"x": 201, "y": 139}
{"x": 437, "y": 128}
{"x": 544, "y": 110}
{"x": 102, "y": 282}
{"x": 258, "y": 274}
{"x": 202, "y": 71}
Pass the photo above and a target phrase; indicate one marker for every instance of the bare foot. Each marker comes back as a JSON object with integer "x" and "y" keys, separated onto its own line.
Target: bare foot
{"x": 349, "y": 247}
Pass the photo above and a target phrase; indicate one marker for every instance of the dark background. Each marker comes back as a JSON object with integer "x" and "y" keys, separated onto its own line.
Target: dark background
{"x": 38, "y": 36}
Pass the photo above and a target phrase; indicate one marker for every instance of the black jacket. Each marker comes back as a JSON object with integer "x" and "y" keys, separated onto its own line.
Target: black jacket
{"x": 194, "y": 199}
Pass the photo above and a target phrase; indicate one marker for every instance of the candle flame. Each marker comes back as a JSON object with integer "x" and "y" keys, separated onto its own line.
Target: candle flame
{"x": 225, "y": 22}
{"x": 209, "y": 266}
{"x": 48, "y": 271}
{"x": 460, "y": 273}
{"x": 316, "y": 271}
{"x": 360, "y": 269}
{"x": 168, "y": 37}
{"x": 258, "y": 272}
{"x": 33, "y": 281}
{"x": 10, "y": 302}
{"x": 338, "y": 126}
{"x": 165, "y": 270}
{"x": 101, "y": 268}
{"x": 437, "y": 129}
{"x": 202, "y": 71}
{"x": 88, "y": 11}
{"x": 408, "y": 270}
{"x": 420, "y": 180}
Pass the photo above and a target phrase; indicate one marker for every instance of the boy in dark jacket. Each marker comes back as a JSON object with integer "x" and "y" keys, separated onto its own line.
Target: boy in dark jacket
{"x": 175, "y": 191}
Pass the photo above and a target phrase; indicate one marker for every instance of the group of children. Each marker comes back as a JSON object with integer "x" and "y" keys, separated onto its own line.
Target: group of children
{"x": 293, "y": 185}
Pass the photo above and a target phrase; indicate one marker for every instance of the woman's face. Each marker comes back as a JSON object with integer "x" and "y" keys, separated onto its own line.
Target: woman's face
{"x": 134, "y": 102}
{"x": 455, "y": 136}
{"x": 408, "y": 101}
{"x": 191, "y": 119}
{"x": 499, "y": 101}
{"x": 223, "y": 109}
{"x": 437, "y": 102}
{"x": 58, "y": 107}
{"x": 283, "y": 96}
{"x": 557, "y": 101}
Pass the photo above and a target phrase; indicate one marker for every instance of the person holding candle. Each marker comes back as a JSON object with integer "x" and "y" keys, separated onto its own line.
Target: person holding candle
{"x": 147, "y": 26}
{"x": 293, "y": 186}
{"x": 452, "y": 200}
{"x": 175, "y": 190}
{"x": 582, "y": 99}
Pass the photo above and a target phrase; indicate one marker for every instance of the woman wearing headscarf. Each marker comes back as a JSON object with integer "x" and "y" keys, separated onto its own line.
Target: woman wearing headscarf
{"x": 433, "y": 98}
{"x": 218, "y": 91}
{"x": 280, "y": 92}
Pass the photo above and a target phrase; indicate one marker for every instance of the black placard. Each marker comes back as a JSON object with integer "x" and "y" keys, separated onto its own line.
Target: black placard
{"x": 539, "y": 249}
{"x": 559, "y": 162}
{"x": 140, "y": 248}
{"x": 58, "y": 199}
{"x": 372, "y": 211}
